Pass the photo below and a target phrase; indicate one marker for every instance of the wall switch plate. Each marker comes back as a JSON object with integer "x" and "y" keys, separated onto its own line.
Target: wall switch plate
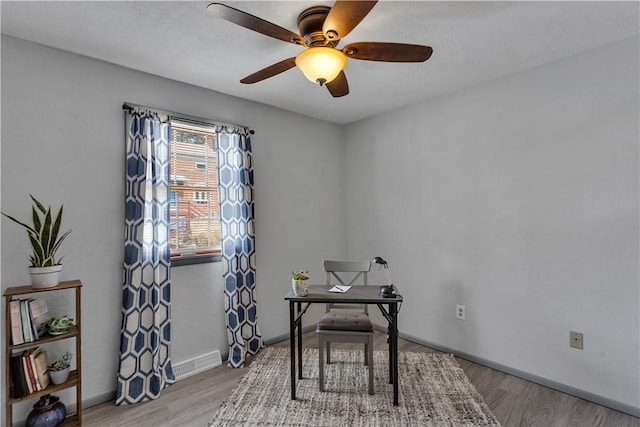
{"x": 460, "y": 312}
{"x": 575, "y": 340}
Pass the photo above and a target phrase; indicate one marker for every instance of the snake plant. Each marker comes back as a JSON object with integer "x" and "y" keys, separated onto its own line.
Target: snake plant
{"x": 43, "y": 234}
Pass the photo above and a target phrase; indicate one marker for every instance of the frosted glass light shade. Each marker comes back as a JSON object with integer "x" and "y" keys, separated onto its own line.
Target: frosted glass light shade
{"x": 321, "y": 64}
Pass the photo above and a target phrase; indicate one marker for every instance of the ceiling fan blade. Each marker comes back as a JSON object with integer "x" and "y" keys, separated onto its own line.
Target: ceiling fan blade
{"x": 338, "y": 87}
{"x": 344, "y": 16}
{"x": 254, "y": 23}
{"x": 270, "y": 71}
{"x": 388, "y": 52}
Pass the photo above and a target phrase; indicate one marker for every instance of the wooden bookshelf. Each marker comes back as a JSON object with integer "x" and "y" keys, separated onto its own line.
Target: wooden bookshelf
{"x": 75, "y": 377}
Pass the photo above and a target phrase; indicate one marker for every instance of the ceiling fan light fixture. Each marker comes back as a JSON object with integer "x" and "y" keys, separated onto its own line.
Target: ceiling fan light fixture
{"x": 321, "y": 65}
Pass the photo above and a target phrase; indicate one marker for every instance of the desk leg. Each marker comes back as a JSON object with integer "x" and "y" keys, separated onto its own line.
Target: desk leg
{"x": 394, "y": 352}
{"x": 292, "y": 339}
{"x": 390, "y": 342}
{"x": 299, "y": 306}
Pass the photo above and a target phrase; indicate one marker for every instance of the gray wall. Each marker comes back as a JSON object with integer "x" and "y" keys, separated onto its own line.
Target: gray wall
{"x": 63, "y": 141}
{"x": 518, "y": 199}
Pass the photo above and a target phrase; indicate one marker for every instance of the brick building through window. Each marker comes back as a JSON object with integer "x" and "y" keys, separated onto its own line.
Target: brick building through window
{"x": 194, "y": 203}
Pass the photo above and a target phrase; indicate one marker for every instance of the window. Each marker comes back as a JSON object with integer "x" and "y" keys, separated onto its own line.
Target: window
{"x": 194, "y": 208}
{"x": 201, "y": 197}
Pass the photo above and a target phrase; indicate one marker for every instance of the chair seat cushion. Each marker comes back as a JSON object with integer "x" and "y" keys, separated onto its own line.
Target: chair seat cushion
{"x": 356, "y": 322}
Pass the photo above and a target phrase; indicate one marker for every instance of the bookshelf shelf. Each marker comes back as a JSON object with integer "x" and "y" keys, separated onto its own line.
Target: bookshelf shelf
{"x": 75, "y": 377}
{"x": 73, "y": 332}
{"x": 52, "y": 388}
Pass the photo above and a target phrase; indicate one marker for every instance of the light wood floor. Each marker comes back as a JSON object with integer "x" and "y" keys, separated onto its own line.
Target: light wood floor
{"x": 515, "y": 402}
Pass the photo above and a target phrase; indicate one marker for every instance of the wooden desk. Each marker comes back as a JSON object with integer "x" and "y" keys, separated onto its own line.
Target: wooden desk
{"x": 356, "y": 295}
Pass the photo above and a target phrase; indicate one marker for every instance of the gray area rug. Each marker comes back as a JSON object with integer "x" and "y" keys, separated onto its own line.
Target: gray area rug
{"x": 434, "y": 391}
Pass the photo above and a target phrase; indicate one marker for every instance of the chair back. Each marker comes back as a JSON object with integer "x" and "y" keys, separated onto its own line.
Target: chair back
{"x": 347, "y": 273}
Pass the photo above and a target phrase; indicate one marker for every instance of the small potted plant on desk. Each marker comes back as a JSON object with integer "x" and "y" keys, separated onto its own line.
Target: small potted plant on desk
{"x": 300, "y": 282}
{"x": 59, "y": 370}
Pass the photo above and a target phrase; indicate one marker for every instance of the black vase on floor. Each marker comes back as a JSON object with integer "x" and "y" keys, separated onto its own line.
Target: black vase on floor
{"x": 47, "y": 412}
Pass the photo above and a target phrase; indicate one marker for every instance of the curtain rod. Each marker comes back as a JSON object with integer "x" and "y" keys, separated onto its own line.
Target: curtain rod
{"x": 129, "y": 106}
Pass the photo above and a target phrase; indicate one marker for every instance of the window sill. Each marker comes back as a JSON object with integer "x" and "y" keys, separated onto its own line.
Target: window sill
{"x": 195, "y": 259}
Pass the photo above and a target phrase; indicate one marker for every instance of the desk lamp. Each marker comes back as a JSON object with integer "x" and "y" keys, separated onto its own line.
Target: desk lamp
{"x": 389, "y": 290}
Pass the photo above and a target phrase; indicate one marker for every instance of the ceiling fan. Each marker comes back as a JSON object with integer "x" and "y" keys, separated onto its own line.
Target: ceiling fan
{"x": 321, "y": 29}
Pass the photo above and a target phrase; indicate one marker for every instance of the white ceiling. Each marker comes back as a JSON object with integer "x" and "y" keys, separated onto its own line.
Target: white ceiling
{"x": 472, "y": 41}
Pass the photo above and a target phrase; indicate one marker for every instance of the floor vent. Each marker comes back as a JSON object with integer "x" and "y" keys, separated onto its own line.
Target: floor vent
{"x": 196, "y": 365}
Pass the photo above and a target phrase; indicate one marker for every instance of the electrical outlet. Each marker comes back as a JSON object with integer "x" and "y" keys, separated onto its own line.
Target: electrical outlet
{"x": 460, "y": 312}
{"x": 575, "y": 340}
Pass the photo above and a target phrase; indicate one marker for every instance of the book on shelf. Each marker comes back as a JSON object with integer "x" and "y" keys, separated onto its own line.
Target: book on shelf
{"x": 41, "y": 367}
{"x": 16, "y": 322}
{"x": 26, "y": 323}
{"x": 29, "y": 319}
{"x": 18, "y": 378}
{"x": 32, "y": 363}
{"x": 39, "y": 317}
{"x": 28, "y": 371}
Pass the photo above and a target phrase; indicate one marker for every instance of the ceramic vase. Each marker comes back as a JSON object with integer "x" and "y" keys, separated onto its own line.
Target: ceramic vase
{"x": 59, "y": 377}
{"x": 47, "y": 412}
{"x": 300, "y": 287}
{"x": 45, "y": 277}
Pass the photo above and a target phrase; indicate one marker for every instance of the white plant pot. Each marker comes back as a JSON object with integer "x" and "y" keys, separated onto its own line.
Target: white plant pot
{"x": 300, "y": 287}
{"x": 59, "y": 377}
{"x": 45, "y": 277}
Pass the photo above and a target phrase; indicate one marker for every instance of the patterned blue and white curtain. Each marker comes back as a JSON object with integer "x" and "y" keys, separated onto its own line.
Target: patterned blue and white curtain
{"x": 235, "y": 171}
{"x": 145, "y": 366}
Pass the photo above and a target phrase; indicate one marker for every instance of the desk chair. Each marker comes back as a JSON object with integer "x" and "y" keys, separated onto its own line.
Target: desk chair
{"x": 345, "y": 326}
